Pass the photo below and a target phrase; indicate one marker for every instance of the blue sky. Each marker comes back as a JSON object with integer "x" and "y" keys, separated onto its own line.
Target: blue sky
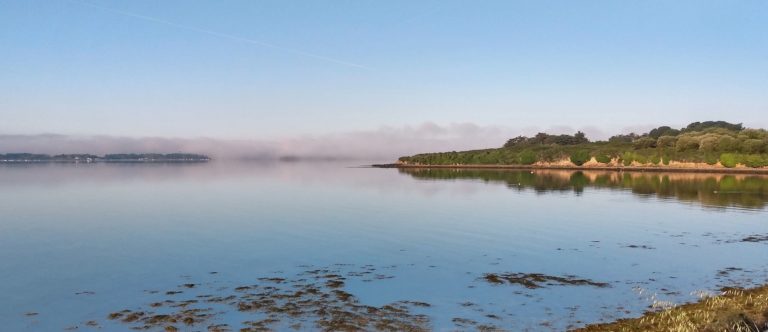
{"x": 271, "y": 69}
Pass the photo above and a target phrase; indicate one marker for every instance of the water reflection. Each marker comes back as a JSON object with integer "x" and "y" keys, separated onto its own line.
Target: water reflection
{"x": 711, "y": 190}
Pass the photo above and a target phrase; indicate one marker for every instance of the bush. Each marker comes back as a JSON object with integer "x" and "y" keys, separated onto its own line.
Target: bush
{"x": 751, "y": 146}
{"x": 627, "y": 158}
{"x": 708, "y": 142}
{"x": 729, "y": 159}
{"x": 644, "y": 143}
{"x": 655, "y": 159}
{"x": 665, "y": 159}
{"x": 527, "y": 157}
{"x": 753, "y": 133}
{"x": 756, "y": 160}
{"x": 603, "y": 159}
{"x": 666, "y": 141}
{"x": 710, "y": 159}
{"x": 726, "y": 144}
{"x": 580, "y": 157}
{"x": 685, "y": 143}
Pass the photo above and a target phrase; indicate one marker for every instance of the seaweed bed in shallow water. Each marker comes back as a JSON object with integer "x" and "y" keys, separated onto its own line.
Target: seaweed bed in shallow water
{"x": 314, "y": 299}
{"x": 756, "y": 238}
{"x": 539, "y": 280}
{"x": 317, "y": 299}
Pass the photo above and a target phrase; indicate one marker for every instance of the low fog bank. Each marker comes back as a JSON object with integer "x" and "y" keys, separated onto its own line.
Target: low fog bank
{"x": 384, "y": 144}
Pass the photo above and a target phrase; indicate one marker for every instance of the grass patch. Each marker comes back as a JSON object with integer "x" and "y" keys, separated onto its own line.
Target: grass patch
{"x": 735, "y": 310}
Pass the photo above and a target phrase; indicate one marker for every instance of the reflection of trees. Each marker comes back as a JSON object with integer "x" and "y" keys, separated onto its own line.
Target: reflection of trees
{"x": 747, "y": 191}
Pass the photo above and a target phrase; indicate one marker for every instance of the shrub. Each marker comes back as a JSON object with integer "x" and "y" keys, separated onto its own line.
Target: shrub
{"x": 655, "y": 159}
{"x": 708, "y": 142}
{"x": 751, "y": 146}
{"x": 726, "y": 143}
{"x": 527, "y": 157}
{"x": 603, "y": 159}
{"x": 729, "y": 159}
{"x": 665, "y": 159}
{"x": 580, "y": 157}
{"x": 710, "y": 159}
{"x": 666, "y": 141}
{"x": 627, "y": 158}
{"x": 644, "y": 143}
{"x": 756, "y": 160}
{"x": 753, "y": 133}
{"x": 685, "y": 143}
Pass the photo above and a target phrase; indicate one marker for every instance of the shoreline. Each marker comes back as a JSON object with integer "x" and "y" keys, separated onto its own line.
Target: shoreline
{"x": 734, "y": 309}
{"x": 657, "y": 169}
{"x": 41, "y": 162}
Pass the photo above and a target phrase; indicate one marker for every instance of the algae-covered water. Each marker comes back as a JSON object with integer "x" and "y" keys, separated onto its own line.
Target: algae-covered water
{"x": 309, "y": 246}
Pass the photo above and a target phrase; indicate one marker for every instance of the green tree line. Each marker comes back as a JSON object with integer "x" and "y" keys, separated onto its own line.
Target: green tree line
{"x": 709, "y": 142}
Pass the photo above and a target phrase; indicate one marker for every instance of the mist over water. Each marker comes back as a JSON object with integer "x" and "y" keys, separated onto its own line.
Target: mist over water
{"x": 384, "y": 144}
{"x": 81, "y": 241}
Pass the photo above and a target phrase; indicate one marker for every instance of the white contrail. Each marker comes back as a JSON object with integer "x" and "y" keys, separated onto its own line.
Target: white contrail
{"x": 219, "y": 34}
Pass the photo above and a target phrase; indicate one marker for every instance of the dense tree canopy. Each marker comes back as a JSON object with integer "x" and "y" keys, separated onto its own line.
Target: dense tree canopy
{"x": 702, "y": 142}
{"x": 547, "y": 139}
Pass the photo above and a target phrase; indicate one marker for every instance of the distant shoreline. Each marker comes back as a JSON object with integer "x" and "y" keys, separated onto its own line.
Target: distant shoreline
{"x": 658, "y": 169}
{"x": 31, "y": 158}
{"x": 8, "y": 162}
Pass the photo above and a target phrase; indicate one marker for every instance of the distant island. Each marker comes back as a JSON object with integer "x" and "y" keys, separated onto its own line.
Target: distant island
{"x": 109, "y": 158}
{"x": 709, "y": 145}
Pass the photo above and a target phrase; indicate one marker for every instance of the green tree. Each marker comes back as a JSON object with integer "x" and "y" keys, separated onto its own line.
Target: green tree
{"x": 644, "y": 143}
{"x": 527, "y": 157}
{"x": 685, "y": 143}
{"x": 751, "y": 146}
{"x": 726, "y": 144}
{"x": 708, "y": 142}
{"x": 666, "y": 141}
{"x": 663, "y": 131}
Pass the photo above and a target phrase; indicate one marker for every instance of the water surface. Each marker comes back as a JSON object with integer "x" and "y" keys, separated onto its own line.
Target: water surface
{"x": 78, "y": 242}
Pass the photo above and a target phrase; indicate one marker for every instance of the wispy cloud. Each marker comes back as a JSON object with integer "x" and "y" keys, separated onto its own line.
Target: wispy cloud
{"x": 219, "y": 34}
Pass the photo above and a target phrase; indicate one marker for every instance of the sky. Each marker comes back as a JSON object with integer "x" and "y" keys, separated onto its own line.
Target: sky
{"x": 289, "y": 71}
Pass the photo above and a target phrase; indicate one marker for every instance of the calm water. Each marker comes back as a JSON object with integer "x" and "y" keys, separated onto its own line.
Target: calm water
{"x": 78, "y": 242}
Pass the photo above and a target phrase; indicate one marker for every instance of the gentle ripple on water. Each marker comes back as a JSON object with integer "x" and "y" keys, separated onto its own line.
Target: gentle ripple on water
{"x": 78, "y": 242}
